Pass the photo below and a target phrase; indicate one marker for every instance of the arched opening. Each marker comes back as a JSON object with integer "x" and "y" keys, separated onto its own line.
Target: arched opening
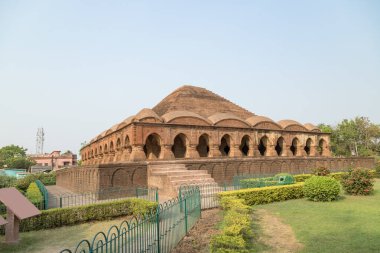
{"x": 294, "y": 147}
{"x": 105, "y": 149}
{"x": 152, "y": 147}
{"x": 118, "y": 144}
{"x": 203, "y": 147}
{"x": 225, "y": 145}
{"x": 263, "y": 146}
{"x": 96, "y": 152}
{"x": 244, "y": 146}
{"x": 111, "y": 146}
{"x": 280, "y": 146}
{"x": 100, "y": 150}
{"x": 308, "y": 146}
{"x": 127, "y": 144}
{"x": 321, "y": 147}
{"x": 179, "y": 146}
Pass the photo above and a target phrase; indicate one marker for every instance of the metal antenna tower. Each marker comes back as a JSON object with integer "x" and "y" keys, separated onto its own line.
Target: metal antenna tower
{"x": 40, "y": 141}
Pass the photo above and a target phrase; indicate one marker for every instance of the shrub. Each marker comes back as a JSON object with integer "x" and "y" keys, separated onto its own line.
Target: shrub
{"x": 7, "y": 181}
{"x": 377, "y": 169}
{"x": 319, "y": 188}
{"x": 236, "y": 235}
{"x": 257, "y": 196}
{"x": 34, "y": 194}
{"x": 302, "y": 177}
{"x": 46, "y": 178}
{"x": 59, "y": 217}
{"x": 358, "y": 182}
{"x": 322, "y": 171}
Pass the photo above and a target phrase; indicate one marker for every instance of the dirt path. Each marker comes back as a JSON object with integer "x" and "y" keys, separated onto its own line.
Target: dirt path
{"x": 275, "y": 234}
{"x": 198, "y": 240}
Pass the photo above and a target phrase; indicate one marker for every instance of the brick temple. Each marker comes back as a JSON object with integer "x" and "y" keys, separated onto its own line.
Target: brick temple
{"x": 193, "y": 136}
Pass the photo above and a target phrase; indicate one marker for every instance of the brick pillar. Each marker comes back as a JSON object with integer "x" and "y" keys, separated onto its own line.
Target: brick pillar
{"x": 166, "y": 152}
{"x": 126, "y": 153}
{"x": 137, "y": 153}
{"x": 251, "y": 151}
{"x": 271, "y": 150}
{"x": 214, "y": 151}
{"x": 301, "y": 151}
{"x": 313, "y": 151}
{"x": 235, "y": 151}
{"x": 192, "y": 151}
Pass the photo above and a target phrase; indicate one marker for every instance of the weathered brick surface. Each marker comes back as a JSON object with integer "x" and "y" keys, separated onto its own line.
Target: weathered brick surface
{"x": 90, "y": 178}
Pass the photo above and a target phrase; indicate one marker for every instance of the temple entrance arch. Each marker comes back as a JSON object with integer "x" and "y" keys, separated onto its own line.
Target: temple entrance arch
{"x": 294, "y": 147}
{"x": 152, "y": 147}
{"x": 225, "y": 145}
{"x": 203, "y": 147}
{"x": 307, "y": 148}
{"x": 244, "y": 146}
{"x": 263, "y": 145}
{"x": 280, "y": 146}
{"x": 180, "y": 146}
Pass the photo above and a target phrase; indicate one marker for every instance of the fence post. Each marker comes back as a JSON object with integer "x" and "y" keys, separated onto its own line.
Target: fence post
{"x": 158, "y": 229}
{"x": 180, "y": 199}
{"x": 60, "y": 201}
{"x": 157, "y": 195}
{"x": 185, "y": 215}
{"x": 137, "y": 193}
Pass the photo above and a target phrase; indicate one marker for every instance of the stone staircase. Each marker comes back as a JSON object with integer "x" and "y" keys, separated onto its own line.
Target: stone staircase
{"x": 169, "y": 177}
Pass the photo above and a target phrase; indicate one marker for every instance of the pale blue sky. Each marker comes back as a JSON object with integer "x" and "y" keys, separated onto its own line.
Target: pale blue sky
{"x": 78, "y": 67}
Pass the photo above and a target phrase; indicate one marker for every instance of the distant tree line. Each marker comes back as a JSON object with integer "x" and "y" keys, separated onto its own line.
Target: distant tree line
{"x": 354, "y": 137}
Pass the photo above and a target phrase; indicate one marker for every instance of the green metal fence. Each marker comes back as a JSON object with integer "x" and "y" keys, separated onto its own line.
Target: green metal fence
{"x": 159, "y": 231}
{"x": 45, "y": 195}
{"x": 104, "y": 195}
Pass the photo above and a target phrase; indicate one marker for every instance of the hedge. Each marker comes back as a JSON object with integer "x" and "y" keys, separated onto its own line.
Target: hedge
{"x": 336, "y": 175}
{"x": 257, "y": 196}
{"x": 59, "y": 217}
{"x": 321, "y": 188}
{"x": 236, "y": 235}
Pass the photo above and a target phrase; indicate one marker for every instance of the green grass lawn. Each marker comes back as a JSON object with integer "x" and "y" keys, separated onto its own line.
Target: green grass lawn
{"x": 351, "y": 224}
{"x": 55, "y": 240}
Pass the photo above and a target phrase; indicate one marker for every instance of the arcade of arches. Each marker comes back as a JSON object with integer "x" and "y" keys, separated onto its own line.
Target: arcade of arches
{"x": 201, "y": 129}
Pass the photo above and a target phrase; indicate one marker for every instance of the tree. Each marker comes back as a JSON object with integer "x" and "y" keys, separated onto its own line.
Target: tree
{"x": 13, "y": 156}
{"x": 357, "y": 137}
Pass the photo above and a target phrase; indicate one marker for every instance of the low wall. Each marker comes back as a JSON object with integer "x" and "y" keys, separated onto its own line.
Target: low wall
{"x": 93, "y": 178}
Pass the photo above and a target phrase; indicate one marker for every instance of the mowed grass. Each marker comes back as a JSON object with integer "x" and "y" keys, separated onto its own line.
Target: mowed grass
{"x": 351, "y": 224}
{"x": 55, "y": 240}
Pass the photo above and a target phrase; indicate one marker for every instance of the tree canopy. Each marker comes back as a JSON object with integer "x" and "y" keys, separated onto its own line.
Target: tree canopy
{"x": 354, "y": 137}
{"x": 13, "y": 156}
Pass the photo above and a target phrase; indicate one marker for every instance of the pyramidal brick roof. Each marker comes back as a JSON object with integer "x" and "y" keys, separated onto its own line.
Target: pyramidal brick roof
{"x": 201, "y": 101}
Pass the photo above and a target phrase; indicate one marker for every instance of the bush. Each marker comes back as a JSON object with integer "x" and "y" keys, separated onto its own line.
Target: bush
{"x": 377, "y": 169}
{"x": 358, "y": 182}
{"x": 302, "y": 177}
{"x": 7, "y": 181}
{"x": 319, "y": 188}
{"x": 236, "y": 235}
{"x": 322, "y": 171}
{"x": 46, "y": 178}
{"x": 33, "y": 193}
{"x": 257, "y": 196}
{"x": 59, "y": 217}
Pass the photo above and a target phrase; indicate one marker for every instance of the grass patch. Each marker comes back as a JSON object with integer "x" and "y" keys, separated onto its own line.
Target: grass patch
{"x": 350, "y": 224}
{"x": 54, "y": 240}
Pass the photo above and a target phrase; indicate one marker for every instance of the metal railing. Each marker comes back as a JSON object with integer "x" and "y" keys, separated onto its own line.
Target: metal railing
{"x": 159, "y": 231}
{"x": 45, "y": 195}
{"x": 104, "y": 195}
